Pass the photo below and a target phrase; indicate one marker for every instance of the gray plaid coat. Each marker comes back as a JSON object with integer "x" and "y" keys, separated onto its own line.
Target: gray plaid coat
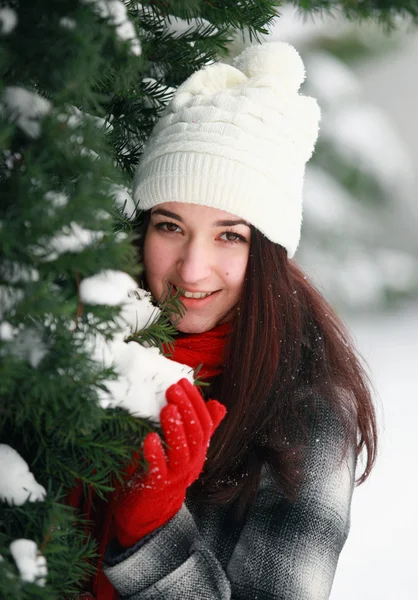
{"x": 282, "y": 551}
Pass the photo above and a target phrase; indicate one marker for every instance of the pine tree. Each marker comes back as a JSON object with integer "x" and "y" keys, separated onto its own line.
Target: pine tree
{"x": 82, "y": 83}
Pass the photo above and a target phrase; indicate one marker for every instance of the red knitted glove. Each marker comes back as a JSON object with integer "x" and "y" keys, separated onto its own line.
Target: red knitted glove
{"x": 150, "y": 499}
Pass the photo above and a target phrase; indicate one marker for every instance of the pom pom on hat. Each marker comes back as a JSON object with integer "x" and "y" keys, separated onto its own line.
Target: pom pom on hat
{"x": 277, "y": 60}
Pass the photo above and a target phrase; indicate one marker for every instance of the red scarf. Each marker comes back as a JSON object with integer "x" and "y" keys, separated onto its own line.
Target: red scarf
{"x": 195, "y": 349}
{"x": 202, "y": 349}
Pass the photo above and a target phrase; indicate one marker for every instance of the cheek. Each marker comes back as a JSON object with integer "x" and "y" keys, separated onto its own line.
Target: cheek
{"x": 155, "y": 257}
{"x": 235, "y": 272}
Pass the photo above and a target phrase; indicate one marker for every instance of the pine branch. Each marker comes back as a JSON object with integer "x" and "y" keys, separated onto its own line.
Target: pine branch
{"x": 384, "y": 12}
{"x": 161, "y": 332}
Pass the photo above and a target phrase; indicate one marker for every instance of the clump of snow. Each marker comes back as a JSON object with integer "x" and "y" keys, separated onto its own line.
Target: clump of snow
{"x": 67, "y": 23}
{"x": 25, "y": 343}
{"x": 153, "y": 86}
{"x": 8, "y": 20}
{"x": 124, "y": 200}
{"x": 56, "y": 199}
{"x": 72, "y": 238}
{"x": 31, "y": 564}
{"x": 29, "y": 346}
{"x": 144, "y": 376}
{"x": 11, "y": 159}
{"x": 7, "y": 332}
{"x": 14, "y": 272}
{"x": 17, "y": 483}
{"x": 9, "y": 298}
{"x": 108, "y": 288}
{"x": 116, "y": 12}
{"x": 26, "y": 108}
{"x": 138, "y": 311}
{"x": 115, "y": 288}
{"x": 74, "y": 117}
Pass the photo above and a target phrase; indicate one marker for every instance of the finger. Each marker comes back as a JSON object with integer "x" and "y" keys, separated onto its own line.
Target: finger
{"x": 178, "y": 453}
{"x": 199, "y": 406}
{"x": 192, "y": 427}
{"x": 155, "y": 456}
{"x": 217, "y": 412}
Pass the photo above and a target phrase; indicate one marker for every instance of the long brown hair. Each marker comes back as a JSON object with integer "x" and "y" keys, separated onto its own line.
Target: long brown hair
{"x": 287, "y": 344}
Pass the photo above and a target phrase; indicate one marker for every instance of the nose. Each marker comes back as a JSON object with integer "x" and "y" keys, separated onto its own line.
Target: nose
{"x": 194, "y": 263}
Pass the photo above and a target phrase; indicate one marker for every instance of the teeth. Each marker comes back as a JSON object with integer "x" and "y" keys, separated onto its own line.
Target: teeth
{"x": 196, "y": 294}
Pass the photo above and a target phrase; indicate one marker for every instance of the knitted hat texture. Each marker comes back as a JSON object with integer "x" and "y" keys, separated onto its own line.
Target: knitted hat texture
{"x": 236, "y": 138}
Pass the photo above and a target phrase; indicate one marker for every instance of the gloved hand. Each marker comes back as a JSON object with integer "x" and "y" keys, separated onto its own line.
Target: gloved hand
{"x": 150, "y": 499}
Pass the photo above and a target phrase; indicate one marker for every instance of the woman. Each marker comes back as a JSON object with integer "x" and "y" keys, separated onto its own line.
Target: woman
{"x": 263, "y": 512}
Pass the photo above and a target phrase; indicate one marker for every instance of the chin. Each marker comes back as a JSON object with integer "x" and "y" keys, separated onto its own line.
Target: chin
{"x": 187, "y": 326}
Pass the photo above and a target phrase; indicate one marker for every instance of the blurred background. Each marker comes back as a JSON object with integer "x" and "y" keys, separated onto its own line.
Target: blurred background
{"x": 360, "y": 246}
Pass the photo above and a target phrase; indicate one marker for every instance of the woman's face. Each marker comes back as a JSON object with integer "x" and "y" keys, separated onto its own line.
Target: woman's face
{"x": 203, "y": 251}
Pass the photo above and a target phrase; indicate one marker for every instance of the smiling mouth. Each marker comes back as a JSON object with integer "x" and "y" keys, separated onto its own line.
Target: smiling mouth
{"x": 195, "y": 295}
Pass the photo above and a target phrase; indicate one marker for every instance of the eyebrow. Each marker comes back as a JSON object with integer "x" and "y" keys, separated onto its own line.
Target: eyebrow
{"x": 221, "y": 223}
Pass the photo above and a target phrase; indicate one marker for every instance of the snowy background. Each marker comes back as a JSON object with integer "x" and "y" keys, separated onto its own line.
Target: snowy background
{"x": 380, "y": 560}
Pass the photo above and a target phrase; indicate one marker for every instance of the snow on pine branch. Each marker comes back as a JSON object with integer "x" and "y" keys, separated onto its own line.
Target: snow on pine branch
{"x": 74, "y": 118}
{"x": 116, "y": 12}
{"x": 24, "y": 107}
{"x": 179, "y": 27}
{"x": 123, "y": 200}
{"x": 144, "y": 374}
{"x": 30, "y": 563}
{"x": 17, "y": 483}
{"x": 71, "y": 238}
{"x": 8, "y": 20}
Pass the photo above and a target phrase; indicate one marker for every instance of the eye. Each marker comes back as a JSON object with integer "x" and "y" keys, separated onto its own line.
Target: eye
{"x": 168, "y": 226}
{"x": 232, "y": 237}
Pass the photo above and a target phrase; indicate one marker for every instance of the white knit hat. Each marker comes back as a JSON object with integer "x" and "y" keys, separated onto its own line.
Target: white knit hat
{"x": 236, "y": 138}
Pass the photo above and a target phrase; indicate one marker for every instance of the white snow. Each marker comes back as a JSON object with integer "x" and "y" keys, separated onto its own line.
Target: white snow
{"x": 143, "y": 373}
{"x": 67, "y": 23}
{"x": 329, "y": 206}
{"x": 30, "y": 563}
{"x": 379, "y": 561}
{"x": 363, "y": 134}
{"x": 116, "y": 12}
{"x": 156, "y": 89}
{"x": 26, "y": 108}
{"x": 124, "y": 200}
{"x": 74, "y": 117}
{"x": 7, "y": 332}
{"x": 17, "y": 483}
{"x": 331, "y": 80}
{"x": 114, "y": 288}
{"x": 178, "y": 27}
{"x": 19, "y": 273}
{"x": 56, "y": 199}
{"x": 9, "y": 297}
{"x": 144, "y": 376}
{"x": 73, "y": 238}
{"x": 108, "y": 288}
{"x": 8, "y": 20}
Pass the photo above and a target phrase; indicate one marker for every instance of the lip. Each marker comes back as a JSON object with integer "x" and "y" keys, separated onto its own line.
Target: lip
{"x": 191, "y": 303}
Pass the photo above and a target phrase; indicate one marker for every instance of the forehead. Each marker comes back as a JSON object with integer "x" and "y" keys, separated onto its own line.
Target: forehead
{"x": 196, "y": 212}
